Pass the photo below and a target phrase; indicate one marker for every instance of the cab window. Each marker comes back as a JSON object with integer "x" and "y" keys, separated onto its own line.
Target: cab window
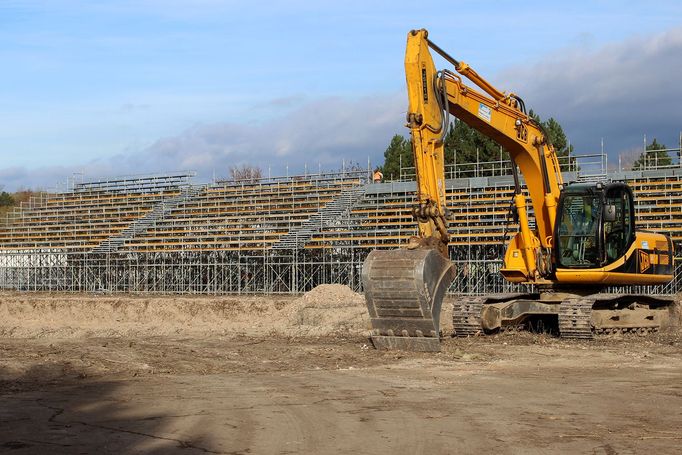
{"x": 578, "y": 231}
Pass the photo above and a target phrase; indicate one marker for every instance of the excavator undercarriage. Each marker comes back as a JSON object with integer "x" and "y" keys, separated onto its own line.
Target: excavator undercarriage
{"x": 404, "y": 290}
{"x": 573, "y": 315}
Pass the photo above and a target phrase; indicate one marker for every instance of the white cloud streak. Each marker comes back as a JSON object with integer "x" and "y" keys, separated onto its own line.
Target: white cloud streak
{"x": 320, "y": 133}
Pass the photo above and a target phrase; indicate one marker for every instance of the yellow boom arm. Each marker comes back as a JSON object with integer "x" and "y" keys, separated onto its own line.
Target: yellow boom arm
{"x": 432, "y": 96}
{"x": 427, "y": 127}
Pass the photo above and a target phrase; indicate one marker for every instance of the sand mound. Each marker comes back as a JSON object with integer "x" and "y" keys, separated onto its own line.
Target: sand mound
{"x": 325, "y": 310}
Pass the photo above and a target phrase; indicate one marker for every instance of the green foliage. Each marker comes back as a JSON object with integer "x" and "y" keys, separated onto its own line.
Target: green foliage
{"x": 558, "y": 139}
{"x": 6, "y": 199}
{"x": 468, "y": 145}
{"x": 398, "y": 152}
{"x": 656, "y": 156}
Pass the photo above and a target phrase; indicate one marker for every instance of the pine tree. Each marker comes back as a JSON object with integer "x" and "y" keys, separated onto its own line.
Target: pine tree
{"x": 655, "y": 155}
{"x": 399, "y": 152}
{"x": 6, "y": 199}
{"x": 558, "y": 139}
{"x": 467, "y": 145}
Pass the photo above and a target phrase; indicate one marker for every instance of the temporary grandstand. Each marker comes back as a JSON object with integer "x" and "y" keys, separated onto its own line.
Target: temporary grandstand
{"x": 168, "y": 234}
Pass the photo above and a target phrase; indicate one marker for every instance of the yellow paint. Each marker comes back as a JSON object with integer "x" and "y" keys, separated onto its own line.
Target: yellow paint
{"x": 493, "y": 113}
{"x": 425, "y": 120}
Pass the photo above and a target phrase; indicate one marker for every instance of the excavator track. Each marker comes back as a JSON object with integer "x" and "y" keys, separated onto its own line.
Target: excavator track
{"x": 575, "y": 319}
{"x": 467, "y": 314}
{"x": 466, "y": 317}
{"x": 404, "y": 290}
{"x": 631, "y": 314}
{"x": 641, "y": 331}
{"x": 579, "y": 317}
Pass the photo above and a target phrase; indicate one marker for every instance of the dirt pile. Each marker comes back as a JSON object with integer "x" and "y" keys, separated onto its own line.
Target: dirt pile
{"x": 325, "y": 310}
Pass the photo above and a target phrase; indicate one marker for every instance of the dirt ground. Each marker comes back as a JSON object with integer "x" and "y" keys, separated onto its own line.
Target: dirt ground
{"x": 251, "y": 375}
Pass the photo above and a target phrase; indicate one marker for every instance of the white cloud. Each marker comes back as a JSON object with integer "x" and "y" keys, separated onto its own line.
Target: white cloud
{"x": 619, "y": 92}
{"x": 321, "y": 133}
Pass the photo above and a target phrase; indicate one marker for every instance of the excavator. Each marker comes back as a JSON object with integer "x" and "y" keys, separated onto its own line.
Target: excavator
{"x": 580, "y": 237}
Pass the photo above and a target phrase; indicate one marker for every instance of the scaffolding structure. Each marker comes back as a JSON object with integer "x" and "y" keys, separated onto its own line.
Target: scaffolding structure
{"x": 167, "y": 234}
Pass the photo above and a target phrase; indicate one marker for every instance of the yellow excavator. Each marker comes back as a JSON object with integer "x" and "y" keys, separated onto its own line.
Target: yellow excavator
{"x": 583, "y": 238}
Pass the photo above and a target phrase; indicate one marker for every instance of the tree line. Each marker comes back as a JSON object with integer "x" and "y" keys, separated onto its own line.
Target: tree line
{"x": 464, "y": 144}
{"x": 10, "y": 200}
{"x": 655, "y": 155}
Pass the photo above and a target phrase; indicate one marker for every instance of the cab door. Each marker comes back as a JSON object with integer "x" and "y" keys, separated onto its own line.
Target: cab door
{"x": 618, "y": 227}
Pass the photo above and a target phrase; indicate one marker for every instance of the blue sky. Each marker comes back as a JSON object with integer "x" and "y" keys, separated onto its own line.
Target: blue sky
{"x": 122, "y": 87}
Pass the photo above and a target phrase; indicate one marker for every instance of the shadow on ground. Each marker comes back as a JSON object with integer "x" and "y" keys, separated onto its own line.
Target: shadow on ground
{"x": 50, "y": 408}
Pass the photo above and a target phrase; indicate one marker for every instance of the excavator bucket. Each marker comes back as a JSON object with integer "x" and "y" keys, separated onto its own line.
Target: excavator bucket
{"x": 404, "y": 290}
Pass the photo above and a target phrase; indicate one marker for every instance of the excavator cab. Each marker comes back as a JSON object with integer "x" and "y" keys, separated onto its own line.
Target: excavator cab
{"x": 596, "y": 225}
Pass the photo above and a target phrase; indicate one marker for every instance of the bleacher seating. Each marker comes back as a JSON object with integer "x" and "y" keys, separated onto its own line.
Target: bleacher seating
{"x": 228, "y": 216}
{"x": 166, "y": 234}
{"x": 480, "y": 213}
{"x": 80, "y": 219}
{"x": 659, "y": 204}
{"x": 240, "y": 217}
{"x": 383, "y": 218}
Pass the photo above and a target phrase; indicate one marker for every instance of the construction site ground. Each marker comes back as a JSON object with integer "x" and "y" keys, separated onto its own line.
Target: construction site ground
{"x": 83, "y": 373}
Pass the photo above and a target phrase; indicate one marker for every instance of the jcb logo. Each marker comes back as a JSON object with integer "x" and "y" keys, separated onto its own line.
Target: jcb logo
{"x": 644, "y": 262}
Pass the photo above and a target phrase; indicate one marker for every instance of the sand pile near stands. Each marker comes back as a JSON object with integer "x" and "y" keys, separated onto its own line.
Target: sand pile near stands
{"x": 325, "y": 310}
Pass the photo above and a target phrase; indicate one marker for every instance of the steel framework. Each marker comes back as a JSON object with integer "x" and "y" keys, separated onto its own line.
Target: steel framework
{"x": 166, "y": 234}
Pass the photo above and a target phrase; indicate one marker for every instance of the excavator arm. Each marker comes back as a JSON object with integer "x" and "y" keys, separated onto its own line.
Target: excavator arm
{"x": 501, "y": 117}
{"x": 428, "y": 126}
{"x": 434, "y": 95}
{"x": 404, "y": 288}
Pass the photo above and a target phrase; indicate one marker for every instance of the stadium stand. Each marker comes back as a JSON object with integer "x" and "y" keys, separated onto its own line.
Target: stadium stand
{"x": 232, "y": 216}
{"x": 287, "y": 234}
{"x": 80, "y": 219}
